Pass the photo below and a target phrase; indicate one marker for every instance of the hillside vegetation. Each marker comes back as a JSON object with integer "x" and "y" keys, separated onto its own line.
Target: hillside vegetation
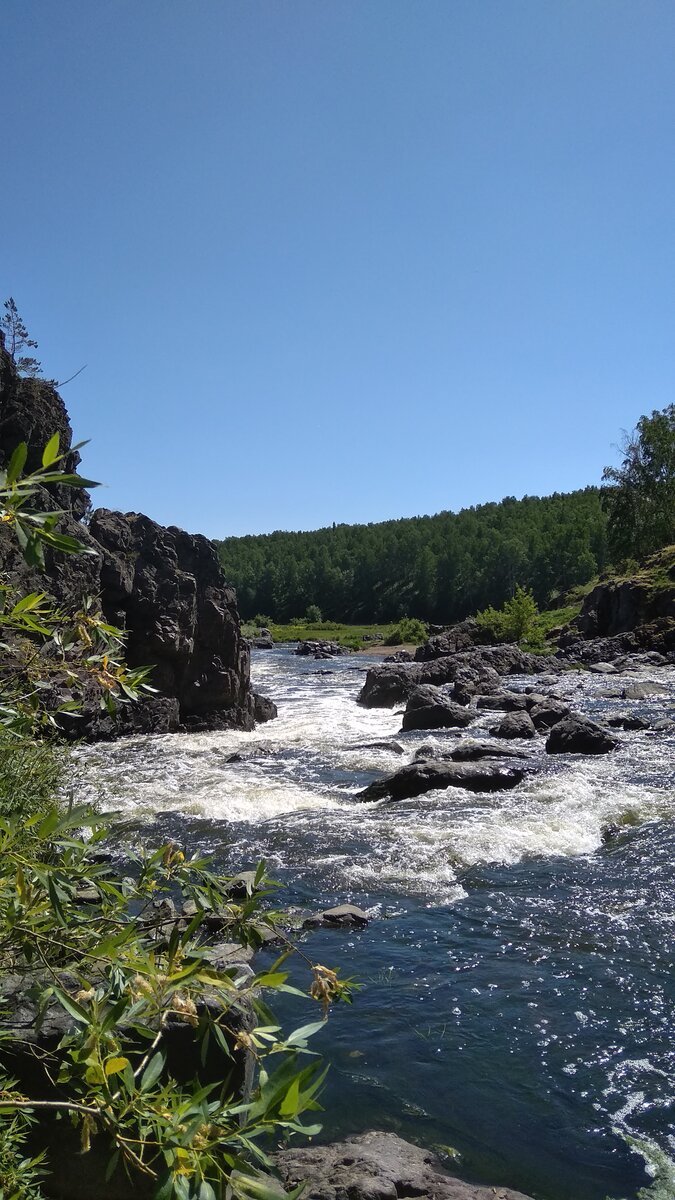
{"x": 440, "y": 568}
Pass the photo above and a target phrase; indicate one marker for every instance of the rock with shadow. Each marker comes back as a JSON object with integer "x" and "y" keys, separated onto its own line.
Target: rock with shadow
{"x": 430, "y": 708}
{"x": 579, "y": 735}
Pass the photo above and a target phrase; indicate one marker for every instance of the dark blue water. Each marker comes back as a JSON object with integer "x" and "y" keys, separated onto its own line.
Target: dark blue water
{"x": 517, "y": 978}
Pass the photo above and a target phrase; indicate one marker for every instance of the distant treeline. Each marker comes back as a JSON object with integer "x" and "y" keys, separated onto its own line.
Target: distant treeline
{"x": 439, "y": 568}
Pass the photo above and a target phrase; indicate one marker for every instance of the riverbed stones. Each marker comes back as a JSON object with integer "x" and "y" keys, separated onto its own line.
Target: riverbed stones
{"x": 477, "y": 669}
{"x": 515, "y": 725}
{"x": 627, "y": 721}
{"x": 430, "y": 708}
{"x": 579, "y": 735}
{"x": 378, "y": 1166}
{"x": 319, "y": 649}
{"x": 428, "y": 775}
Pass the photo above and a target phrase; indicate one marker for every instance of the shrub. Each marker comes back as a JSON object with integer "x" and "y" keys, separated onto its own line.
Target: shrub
{"x": 410, "y": 630}
{"x": 515, "y": 622}
{"x": 313, "y": 616}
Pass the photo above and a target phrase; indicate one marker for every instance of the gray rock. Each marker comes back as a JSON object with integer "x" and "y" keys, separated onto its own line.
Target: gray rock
{"x": 515, "y": 725}
{"x": 604, "y": 668}
{"x": 426, "y": 775}
{"x": 378, "y": 1166}
{"x": 642, "y": 691}
{"x": 664, "y": 725}
{"x": 341, "y": 914}
{"x": 579, "y": 735}
{"x": 429, "y": 708}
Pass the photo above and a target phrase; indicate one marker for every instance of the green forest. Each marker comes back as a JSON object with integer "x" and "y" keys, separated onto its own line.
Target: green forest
{"x": 439, "y": 568}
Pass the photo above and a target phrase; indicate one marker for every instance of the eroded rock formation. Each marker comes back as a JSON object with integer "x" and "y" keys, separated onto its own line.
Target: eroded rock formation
{"x": 163, "y": 586}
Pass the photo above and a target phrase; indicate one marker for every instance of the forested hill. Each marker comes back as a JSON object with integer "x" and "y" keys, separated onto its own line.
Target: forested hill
{"x": 439, "y": 568}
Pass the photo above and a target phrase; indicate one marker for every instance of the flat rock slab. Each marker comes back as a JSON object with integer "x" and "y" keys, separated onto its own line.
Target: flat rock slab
{"x": 378, "y": 1166}
{"x": 425, "y": 776}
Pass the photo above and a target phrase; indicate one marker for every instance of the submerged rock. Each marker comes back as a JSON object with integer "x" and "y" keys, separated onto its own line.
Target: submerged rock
{"x": 378, "y": 1166}
{"x": 426, "y": 775}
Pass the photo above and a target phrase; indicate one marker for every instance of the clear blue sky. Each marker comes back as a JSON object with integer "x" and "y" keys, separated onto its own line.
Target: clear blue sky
{"x": 342, "y": 260}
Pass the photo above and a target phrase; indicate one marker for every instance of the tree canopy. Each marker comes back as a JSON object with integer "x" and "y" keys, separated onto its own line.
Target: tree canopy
{"x": 640, "y": 499}
{"x": 439, "y": 568}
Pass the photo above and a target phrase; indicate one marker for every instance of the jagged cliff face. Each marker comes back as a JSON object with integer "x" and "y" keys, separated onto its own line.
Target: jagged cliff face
{"x": 164, "y": 586}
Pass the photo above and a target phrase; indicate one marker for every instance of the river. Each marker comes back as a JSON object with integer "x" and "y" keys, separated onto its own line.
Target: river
{"x": 517, "y": 977}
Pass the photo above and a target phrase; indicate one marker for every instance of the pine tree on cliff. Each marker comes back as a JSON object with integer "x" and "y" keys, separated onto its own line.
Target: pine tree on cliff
{"x": 17, "y": 339}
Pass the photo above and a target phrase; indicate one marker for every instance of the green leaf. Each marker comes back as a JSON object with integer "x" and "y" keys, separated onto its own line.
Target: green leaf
{"x": 50, "y": 454}
{"x": 152, "y": 1072}
{"x": 71, "y": 1006}
{"x": 290, "y": 1103}
{"x": 17, "y": 462}
{"x": 206, "y": 1192}
{"x": 299, "y": 1036}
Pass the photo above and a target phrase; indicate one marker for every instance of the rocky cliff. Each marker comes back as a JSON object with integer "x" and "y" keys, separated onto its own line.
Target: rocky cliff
{"x": 635, "y": 612}
{"x": 163, "y": 586}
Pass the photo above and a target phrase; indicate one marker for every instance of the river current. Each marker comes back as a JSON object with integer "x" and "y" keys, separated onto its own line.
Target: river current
{"x": 517, "y": 993}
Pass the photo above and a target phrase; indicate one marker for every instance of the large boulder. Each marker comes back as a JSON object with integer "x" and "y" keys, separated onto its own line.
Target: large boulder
{"x": 429, "y": 708}
{"x": 377, "y": 1166}
{"x": 427, "y": 775}
{"x": 579, "y": 735}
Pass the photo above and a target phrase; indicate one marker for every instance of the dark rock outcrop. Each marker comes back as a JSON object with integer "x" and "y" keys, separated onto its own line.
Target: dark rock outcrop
{"x": 451, "y": 641}
{"x": 429, "y": 708}
{"x": 427, "y": 775}
{"x": 163, "y": 586}
{"x": 477, "y": 669}
{"x": 579, "y": 735}
{"x": 378, "y": 1166}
